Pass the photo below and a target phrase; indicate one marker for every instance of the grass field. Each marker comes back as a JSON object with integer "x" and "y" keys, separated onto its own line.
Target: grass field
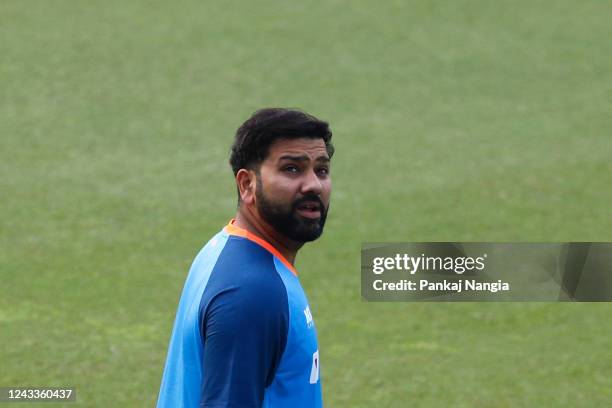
{"x": 464, "y": 120}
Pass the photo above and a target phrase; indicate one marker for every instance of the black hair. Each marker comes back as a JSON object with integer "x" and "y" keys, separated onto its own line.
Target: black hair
{"x": 254, "y": 137}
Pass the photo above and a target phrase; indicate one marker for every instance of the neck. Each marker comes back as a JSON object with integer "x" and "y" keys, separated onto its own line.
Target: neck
{"x": 288, "y": 248}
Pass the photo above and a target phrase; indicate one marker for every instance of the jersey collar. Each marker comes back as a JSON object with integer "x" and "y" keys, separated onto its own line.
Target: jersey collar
{"x": 232, "y": 229}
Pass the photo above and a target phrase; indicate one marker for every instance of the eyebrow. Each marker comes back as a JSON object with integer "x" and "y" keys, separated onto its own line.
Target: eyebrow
{"x": 303, "y": 158}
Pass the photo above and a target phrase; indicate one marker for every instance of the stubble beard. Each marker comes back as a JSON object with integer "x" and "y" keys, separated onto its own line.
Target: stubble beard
{"x": 285, "y": 219}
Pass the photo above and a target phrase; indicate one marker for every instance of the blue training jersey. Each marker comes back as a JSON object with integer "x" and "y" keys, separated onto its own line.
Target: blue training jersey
{"x": 243, "y": 335}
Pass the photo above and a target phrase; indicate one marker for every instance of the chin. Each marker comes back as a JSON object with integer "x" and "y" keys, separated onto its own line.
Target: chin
{"x": 308, "y": 235}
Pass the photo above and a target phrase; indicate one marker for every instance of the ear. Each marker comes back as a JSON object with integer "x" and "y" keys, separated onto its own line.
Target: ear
{"x": 247, "y": 183}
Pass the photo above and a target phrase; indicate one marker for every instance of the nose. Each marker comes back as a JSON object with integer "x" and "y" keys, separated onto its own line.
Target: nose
{"x": 311, "y": 184}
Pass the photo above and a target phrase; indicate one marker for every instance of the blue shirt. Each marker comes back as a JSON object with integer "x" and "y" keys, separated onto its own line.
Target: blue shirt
{"x": 243, "y": 335}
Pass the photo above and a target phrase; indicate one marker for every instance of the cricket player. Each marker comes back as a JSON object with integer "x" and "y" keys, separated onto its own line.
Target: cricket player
{"x": 244, "y": 335}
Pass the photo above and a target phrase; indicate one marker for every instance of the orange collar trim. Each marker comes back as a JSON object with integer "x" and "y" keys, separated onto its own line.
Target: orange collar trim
{"x": 232, "y": 229}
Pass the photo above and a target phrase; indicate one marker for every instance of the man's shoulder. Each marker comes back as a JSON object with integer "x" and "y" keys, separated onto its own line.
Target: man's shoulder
{"x": 244, "y": 263}
{"x": 241, "y": 267}
{"x": 225, "y": 250}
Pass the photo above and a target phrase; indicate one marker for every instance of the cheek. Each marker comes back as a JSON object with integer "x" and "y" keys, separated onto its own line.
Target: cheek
{"x": 326, "y": 190}
{"x": 280, "y": 189}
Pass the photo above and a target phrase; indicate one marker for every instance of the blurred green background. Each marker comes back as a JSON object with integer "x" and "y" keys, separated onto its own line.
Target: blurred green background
{"x": 462, "y": 120}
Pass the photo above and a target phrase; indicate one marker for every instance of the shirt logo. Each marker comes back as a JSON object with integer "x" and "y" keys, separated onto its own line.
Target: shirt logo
{"x": 314, "y": 371}
{"x": 308, "y": 315}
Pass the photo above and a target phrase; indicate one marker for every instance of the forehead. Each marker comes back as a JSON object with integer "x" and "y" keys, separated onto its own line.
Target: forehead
{"x": 312, "y": 148}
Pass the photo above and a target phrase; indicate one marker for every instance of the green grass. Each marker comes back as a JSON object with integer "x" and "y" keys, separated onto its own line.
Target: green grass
{"x": 466, "y": 120}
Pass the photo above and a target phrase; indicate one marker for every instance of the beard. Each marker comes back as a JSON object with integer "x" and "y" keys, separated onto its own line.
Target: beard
{"x": 284, "y": 218}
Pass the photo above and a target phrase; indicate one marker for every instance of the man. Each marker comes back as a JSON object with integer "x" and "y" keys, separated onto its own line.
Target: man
{"x": 243, "y": 334}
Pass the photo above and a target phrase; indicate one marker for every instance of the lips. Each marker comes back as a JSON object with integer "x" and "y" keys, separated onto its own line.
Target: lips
{"x": 309, "y": 209}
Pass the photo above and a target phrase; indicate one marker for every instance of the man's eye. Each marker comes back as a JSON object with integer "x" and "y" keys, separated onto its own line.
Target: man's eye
{"x": 291, "y": 169}
{"x": 324, "y": 171}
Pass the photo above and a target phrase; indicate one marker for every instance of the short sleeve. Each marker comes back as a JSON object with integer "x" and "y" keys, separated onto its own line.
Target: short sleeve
{"x": 244, "y": 328}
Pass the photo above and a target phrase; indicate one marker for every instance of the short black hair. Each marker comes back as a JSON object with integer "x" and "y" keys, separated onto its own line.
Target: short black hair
{"x": 265, "y": 126}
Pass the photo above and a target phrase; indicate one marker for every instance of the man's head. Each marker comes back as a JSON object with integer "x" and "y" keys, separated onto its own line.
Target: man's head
{"x": 280, "y": 158}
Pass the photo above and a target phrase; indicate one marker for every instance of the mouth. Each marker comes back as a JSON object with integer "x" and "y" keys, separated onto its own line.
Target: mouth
{"x": 309, "y": 209}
